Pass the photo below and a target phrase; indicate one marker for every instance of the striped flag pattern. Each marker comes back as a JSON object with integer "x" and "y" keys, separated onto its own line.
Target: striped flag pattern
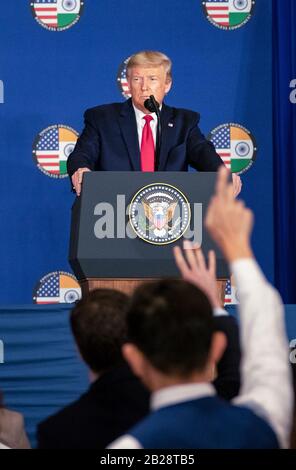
{"x": 218, "y": 10}
{"x": 47, "y": 12}
{"x": 47, "y": 151}
{"x": 221, "y": 141}
{"x": 231, "y": 297}
{"x": 228, "y": 14}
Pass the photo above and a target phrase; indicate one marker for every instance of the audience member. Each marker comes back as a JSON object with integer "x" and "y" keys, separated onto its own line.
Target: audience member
{"x": 173, "y": 348}
{"x": 12, "y": 429}
{"x": 116, "y": 400}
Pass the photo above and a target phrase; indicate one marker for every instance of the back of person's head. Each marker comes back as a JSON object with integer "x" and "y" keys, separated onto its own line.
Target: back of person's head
{"x": 98, "y": 323}
{"x": 171, "y": 323}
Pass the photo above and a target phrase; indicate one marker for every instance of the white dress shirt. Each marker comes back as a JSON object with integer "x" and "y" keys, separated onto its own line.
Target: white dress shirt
{"x": 266, "y": 374}
{"x": 141, "y": 123}
{"x": 2, "y": 446}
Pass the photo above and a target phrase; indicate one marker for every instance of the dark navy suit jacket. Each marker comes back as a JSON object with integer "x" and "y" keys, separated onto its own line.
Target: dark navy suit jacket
{"x": 109, "y": 141}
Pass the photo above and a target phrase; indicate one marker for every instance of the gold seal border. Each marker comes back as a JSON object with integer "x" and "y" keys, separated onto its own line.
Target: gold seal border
{"x": 176, "y": 189}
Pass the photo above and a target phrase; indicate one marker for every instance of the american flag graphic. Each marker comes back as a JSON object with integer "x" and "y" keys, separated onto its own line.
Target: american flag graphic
{"x": 227, "y": 299}
{"x": 218, "y": 10}
{"x": 221, "y": 141}
{"x": 47, "y": 12}
{"x": 47, "y": 151}
{"x": 231, "y": 294}
{"x": 57, "y": 287}
{"x": 122, "y": 80}
{"x": 49, "y": 290}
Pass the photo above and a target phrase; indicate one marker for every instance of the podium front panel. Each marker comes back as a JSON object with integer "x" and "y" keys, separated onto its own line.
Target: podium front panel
{"x": 119, "y": 256}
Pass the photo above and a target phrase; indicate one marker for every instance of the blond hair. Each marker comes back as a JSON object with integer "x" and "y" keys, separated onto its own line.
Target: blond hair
{"x": 151, "y": 59}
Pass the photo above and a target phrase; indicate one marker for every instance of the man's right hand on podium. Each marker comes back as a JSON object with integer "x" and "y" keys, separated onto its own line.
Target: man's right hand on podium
{"x": 77, "y": 179}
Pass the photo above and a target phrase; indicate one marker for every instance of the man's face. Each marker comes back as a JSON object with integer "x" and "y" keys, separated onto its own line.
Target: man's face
{"x": 146, "y": 81}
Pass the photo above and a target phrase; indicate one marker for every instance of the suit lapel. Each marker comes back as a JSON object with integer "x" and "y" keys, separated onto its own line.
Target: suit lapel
{"x": 167, "y": 133}
{"x": 128, "y": 126}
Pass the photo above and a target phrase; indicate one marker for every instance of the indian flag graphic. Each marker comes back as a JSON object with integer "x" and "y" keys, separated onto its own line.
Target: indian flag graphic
{"x": 57, "y": 288}
{"x": 235, "y": 145}
{"x": 228, "y": 14}
{"x": 52, "y": 148}
{"x": 67, "y": 141}
{"x": 57, "y": 15}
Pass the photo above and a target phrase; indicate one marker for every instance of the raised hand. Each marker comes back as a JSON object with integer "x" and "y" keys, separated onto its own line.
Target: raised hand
{"x": 193, "y": 268}
{"x": 228, "y": 221}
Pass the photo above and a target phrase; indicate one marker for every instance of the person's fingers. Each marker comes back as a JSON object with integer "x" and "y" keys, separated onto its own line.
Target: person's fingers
{"x": 74, "y": 178}
{"x": 180, "y": 261}
{"x": 237, "y": 184}
{"x": 75, "y": 183}
{"x": 212, "y": 263}
{"x": 78, "y": 189}
{"x": 191, "y": 260}
{"x": 250, "y": 218}
{"x": 187, "y": 245}
{"x": 221, "y": 182}
{"x": 200, "y": 259}
{"x": 80, "y": 175}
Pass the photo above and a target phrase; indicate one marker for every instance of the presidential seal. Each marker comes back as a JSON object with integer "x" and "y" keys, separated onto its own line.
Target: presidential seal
{"x": 51, "y": 149}
{"x": 236, "y": 146}
{"x": 228, "y": 14}
{"x": 122, "y": 79}
{"x": 159, "y": 213}
{"x": 57, "y": 15}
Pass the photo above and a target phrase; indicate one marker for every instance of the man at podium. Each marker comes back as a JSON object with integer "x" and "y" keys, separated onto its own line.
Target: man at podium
{"x": 143, "y": 133}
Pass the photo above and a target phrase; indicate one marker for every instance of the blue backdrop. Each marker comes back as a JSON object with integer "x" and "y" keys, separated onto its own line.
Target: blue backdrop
{"x": 52, "y": 77}
{"x": 284, "y": 74}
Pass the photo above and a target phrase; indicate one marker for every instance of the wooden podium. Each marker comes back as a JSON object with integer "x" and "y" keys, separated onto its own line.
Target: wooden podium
{"x": 129, "y": 285}
{"x": 109, "y": 248}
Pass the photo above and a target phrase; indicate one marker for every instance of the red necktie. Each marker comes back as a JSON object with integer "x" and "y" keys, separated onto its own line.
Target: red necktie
{"x": 147, "y": 146}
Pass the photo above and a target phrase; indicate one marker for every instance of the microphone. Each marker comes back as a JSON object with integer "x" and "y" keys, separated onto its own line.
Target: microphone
{"x": 153, "y": 106}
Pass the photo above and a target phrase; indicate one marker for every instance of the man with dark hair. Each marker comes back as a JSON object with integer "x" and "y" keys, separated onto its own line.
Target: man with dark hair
{"x": 173, "y": 349}
{"x": 116, "y": 400}
{"x": 175, "y": 335}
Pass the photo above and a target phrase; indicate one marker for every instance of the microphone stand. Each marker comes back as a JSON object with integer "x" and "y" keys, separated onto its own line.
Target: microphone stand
{"x": 152, "y": 105}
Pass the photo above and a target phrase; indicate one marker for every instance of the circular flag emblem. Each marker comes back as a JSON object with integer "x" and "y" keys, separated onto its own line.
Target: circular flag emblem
{"x": 159, "y": 213}
{"x": 52, "y": 148}
{"x": 57, "y": 288}
{"x": 231, "y": 294}
{"x": 122, "y": 79}
{"x": 228, "y": 14}
{"x": 235, "y": 145}
{"x": 57, "y": 15}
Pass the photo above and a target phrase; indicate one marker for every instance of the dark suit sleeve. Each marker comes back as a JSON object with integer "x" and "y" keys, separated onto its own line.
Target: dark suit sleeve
{"x": 201, "y": 153}
{"x": 47, "y": 438}
{"x": 87, "y": 149}
{"x": 227, "y": 383}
